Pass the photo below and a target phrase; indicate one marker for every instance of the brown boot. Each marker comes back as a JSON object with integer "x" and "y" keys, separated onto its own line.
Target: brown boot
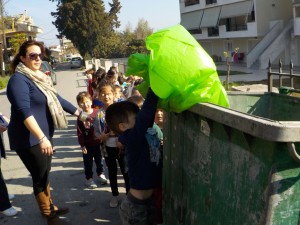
{"x": 58, "y": 210}
{"x": 43, "y": 201}
{"x": 47, "y": 210}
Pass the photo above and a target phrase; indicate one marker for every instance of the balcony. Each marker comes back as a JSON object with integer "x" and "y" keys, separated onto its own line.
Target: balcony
{"x": 28, "y": 28}
{"x": 250, "y": 30}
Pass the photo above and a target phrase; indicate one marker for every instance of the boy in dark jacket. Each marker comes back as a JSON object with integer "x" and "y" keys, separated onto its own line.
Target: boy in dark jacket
{"x": 143, "y": 155}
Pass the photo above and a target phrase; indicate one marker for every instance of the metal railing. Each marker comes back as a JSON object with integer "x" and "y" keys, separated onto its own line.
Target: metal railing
{"x": 291, "y": 75}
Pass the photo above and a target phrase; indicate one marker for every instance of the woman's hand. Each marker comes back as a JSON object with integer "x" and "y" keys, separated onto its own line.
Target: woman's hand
{"x": 34, "y": 128}
{"x": 46, "y": 146}
{"x": 3, "y": 127}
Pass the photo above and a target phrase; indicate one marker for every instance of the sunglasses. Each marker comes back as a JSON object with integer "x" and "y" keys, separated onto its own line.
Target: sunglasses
{"x": 34, "y": 56}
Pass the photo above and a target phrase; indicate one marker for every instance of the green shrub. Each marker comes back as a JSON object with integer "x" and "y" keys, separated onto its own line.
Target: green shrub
{"x": 8, "y": 69}
{"x": 4, "y": 81}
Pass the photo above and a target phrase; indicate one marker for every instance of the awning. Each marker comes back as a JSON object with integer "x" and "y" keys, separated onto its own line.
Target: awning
{"x": 191, "y": 20}
{"x": 210, "y": 17}
{"x": 236, "y": 9}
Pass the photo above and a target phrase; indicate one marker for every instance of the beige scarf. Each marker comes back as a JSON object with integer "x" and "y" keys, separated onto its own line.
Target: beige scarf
{"x": 44, "y": 83}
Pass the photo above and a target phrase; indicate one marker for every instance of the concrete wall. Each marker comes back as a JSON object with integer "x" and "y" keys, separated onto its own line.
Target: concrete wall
{"x": 270, "y": 10}
{"x": 218, "y": 47}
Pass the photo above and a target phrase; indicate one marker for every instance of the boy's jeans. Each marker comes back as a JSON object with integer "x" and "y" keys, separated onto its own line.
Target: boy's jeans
{"x": 137, "y": 212}
{"x": 93, "y": 154}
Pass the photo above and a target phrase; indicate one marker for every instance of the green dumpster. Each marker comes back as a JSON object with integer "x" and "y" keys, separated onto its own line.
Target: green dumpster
{"x": 235, "y": 166}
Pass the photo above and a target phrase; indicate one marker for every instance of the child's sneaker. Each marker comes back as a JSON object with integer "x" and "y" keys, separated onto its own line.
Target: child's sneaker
{"x": 10, "y": 212}
{"x": 11, "y": 197}
{"x": 91, "y": 184}
{"x": 102, "y": 179}
{"x": 114, "y": 202}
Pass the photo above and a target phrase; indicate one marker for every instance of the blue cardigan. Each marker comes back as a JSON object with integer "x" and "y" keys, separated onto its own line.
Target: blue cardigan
{"x": 27, "y": 100}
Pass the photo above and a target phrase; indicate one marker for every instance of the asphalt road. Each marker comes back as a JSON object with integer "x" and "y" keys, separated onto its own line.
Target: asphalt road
{"x": 88, "y": 207}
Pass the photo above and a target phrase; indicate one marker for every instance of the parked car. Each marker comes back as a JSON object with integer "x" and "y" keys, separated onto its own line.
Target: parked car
{"x": 76, "y": 62}
{"x": 47, "y": 69}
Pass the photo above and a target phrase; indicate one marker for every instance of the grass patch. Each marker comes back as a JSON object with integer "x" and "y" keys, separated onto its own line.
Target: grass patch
{"x": 4, "y": 81}
{"x": 232, "y": 72}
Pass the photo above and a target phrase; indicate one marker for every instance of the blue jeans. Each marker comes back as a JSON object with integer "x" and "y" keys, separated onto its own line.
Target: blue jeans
{"x": 137, "y": 212}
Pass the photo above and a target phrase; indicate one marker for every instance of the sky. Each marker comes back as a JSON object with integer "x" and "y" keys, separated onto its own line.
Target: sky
{"x": 159, "y": 14}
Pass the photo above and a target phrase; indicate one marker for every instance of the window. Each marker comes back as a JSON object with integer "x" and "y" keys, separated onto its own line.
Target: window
{"x": 191, "y": 2}
{"x": 195, "y": 31}
{"x": 209, "y": 2}
{"x": 213, "y": 31}
{"x": 297, "y": 11}
{"x": 234, "y": 24}
{"x": 228, "y": 46}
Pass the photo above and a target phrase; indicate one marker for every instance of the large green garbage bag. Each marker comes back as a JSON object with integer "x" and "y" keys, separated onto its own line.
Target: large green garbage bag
{"x": 178, "y": 70}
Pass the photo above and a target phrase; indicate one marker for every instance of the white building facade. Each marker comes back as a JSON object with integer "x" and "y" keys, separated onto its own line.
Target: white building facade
{"x": 262, "y": 30}
{"x": 21, "y": 24}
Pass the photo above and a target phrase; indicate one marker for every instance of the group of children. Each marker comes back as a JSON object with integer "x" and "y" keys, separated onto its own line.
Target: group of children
{"x": 126, "y": 129}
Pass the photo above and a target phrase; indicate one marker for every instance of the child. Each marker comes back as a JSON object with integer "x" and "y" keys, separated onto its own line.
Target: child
{"x": 137, "y": 99}
{"x": 112, "y": 76}
{"x": 118, "y": 94}
{"x": 89, "y": 145}
{"x": 89, "y": 76}
{"x": 158, "y": 126}
{"x": 98, "y": 79}
{"x": 113, "y": 153}
{"x": 142, "y": 151}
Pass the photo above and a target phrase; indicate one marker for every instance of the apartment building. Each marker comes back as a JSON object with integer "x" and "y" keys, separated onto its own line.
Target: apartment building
{"x": 20, "y": 24}
{"x": 262, "y": 30}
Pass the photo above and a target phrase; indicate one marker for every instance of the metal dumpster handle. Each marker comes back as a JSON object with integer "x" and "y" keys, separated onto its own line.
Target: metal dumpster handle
{"x": 293, "y": 152}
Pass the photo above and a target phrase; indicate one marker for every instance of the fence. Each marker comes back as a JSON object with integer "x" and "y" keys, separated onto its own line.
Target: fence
{"x": 120, "y": 63}
{"x": 281, "y": 74}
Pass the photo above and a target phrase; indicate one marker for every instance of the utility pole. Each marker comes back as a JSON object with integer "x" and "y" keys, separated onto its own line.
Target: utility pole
{"x": 2, "y": 66}
{"x": 1, "y": 61}
{"x": 3, "y": 31}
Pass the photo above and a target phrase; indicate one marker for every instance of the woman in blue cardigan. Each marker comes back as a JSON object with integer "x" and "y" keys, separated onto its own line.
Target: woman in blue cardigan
{"x": 36, "y": 110}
